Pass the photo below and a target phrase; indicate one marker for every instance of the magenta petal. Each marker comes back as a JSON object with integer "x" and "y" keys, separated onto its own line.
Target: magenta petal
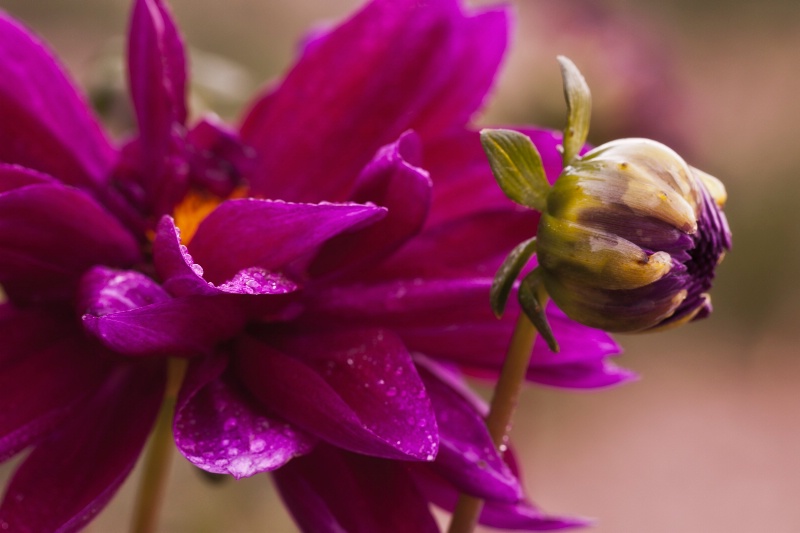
{"x": 69, "y": 478}
{"x": 21, "y": 330}
{"x": 218, "y": 159}
{"x": 55, "y": 372}
{"x": 405, "y": 303}
{"x": 577, "y": 342}
{"x": 15, "y": 176}
{"x": 219, "y": 430}
{"x": 463, "y": 181}
{"x": 392, "y": 181}
{"x": 175, "y": 265}
{"x": 582, "y": 362}
{"x": 50, "y": 234}
{"x": 157, "y": 76}
{"x": 47, "y": 125}
{"x": 521, "y": 515}
{"x": 183, "y": 277}
{"x": 395, "y": 65}
{"x": 357, "y": 389}
{"x": 332, "y": 491}
{"x": 104, "y": 291}
{"x": 584, "y": 375}
{"x": 468, "y": 246}
{"x": 269, "y": 234}
{"x": 467, "y": 456}
{"x": 187, "y": 326}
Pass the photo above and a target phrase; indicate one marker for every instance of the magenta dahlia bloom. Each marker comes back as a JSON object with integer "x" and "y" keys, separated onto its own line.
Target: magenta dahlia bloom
{"x": 325, "y": 267}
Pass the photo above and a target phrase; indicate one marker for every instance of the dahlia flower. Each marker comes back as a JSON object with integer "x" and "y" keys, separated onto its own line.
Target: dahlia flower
{"x": 323, "y": 267}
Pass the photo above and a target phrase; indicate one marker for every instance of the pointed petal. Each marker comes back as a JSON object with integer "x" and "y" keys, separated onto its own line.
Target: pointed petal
{"x": 47, "y": 125}
{"x": 219, "y": 160}
{"x": 157, "y": 77}
{"x": 69, "y": 478}
{"x": 580, "y": 343}
{"x": 331, "y": 490}
{"x": 50, "y": 234}
{"x": 595, "y": 374}
{"x": 467, "y": 456}
{"x": 521, "y": 515}
{"x": 404, "y": 303}
{"x": 357, "y": 389}
{"x": 47, "y": 370}
{"x": 462, "y": 177}
{"x": 395, "y": 65}
{"x": 104, "y": 291}
{"x": 452, "y": 319}
{"x": 175, "y": 265}
{"x": 182, "y": 327}
{"x": 183, "y": 277}
{"x": 472, "y": 245}
{"x": 269, "y": 234}
{"x": 219, "y": 429}
{"x": 392, "y": 181}
{"x": 21, "y": 330}
{"x": 15, "y": 176}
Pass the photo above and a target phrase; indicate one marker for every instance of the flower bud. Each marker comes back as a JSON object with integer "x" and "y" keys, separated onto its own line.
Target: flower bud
{"x": 630, "y": 237}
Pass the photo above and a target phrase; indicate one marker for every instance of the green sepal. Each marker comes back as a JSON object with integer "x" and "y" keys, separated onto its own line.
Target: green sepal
{"x": 579, "y": 109}
{"x": 533, "y": 297}
{"x": 517, "y": 167}
{"x": 508, "y": 273}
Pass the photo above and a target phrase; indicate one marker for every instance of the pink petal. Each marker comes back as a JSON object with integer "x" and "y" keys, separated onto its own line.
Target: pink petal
{"x": 157, "y": 76}
{"x": 463, "y": 181}
{"x": 395, "y": 65}
{"x": 467, "y": 456}
{"x": 47, "y": 125}
{"x": 357, "y": 389}
{"x": 521, "y": 515}
{"x": 219, "y": 160}
{"x": 392, "y": 181}
{"x": 186, "y": 326}
{"x": 48, "y": 369}
{"x": 50, "y": 234}
{"x": 451, "y": 319}
{"x": 183, "y": 277}
{"x": 104, "y": 291}
{"x": 15, "y": 176}
{"x": 269, "y": 234}
{"x": 331, "y": 490}
{"x": 414, "y": 302}
{"x": 222, "y": 431}
{"x": 472, "y": 245}
{"x": 69, "y": 478}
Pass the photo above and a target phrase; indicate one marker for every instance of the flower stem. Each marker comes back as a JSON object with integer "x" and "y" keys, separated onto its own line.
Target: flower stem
{"x": 498, "y": 421}
{"x": 159, "y": 455}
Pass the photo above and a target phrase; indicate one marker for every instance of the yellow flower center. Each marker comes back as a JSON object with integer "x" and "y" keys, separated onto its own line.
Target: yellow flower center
{"x": 195, "y": 207}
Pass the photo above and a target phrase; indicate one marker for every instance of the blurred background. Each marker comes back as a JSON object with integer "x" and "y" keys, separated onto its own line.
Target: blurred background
{"x": 708, "y": 439}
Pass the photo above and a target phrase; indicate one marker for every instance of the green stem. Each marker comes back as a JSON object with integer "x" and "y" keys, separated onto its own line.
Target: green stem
{"x": 159, "y": 456}
{"x": 498, "y": 421}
